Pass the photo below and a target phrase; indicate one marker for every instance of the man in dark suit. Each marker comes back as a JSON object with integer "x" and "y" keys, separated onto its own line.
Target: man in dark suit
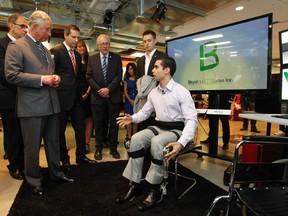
{"x": 145, "y": 64}
{"x": 13, "y": 142}
{"x": 68, "y": 67}
{"x": 29, "y": 65}
{"x": 104, "y": 74}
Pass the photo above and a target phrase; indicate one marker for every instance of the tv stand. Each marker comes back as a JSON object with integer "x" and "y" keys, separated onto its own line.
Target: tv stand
{"x": 214, "y": 113}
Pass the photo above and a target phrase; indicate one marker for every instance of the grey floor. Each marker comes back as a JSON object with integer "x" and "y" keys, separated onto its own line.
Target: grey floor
{"x": 208, "y": 167}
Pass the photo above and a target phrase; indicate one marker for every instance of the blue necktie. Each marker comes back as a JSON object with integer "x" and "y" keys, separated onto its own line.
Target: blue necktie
{"x": 41, "y": 48}
{"x": 104, "y": 68}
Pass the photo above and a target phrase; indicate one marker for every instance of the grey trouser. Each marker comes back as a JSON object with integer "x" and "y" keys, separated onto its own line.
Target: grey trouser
{"x": 147, "y": 139}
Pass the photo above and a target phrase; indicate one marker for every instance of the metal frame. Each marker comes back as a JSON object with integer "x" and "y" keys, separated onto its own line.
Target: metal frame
{"x": 236, "y": 180}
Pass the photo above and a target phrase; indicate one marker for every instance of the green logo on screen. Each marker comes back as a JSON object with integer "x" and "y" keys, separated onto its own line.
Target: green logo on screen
{"x": 286, "y": 75}
{"x": 211, "y": 56}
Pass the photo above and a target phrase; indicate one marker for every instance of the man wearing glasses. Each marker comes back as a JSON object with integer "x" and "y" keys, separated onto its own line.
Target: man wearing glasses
{"x": 104, "y": 74}
{"x": 13, "y": 143}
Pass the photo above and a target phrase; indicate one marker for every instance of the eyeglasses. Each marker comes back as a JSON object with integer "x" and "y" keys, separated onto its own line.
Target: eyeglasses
{"x": 104, "y": 44}
{"x": 21, "y": 25}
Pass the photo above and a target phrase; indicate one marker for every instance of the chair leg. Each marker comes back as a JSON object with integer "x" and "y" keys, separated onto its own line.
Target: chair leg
{"x": 182, "y": 176}
{"x": 210, "y": 209}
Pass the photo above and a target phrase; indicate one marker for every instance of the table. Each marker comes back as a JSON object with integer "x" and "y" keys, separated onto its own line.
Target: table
{"x": 265, "y": 118}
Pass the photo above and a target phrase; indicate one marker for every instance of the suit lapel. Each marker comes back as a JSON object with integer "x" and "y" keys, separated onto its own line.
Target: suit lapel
{"x": 67, "y": 56}
{"x": 36, "y": 50}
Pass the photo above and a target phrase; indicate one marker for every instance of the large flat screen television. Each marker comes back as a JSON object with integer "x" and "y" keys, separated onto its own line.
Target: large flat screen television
{"x": 284, "y": 84}
{"x": 283, "y": 39}
{"x": 234, "y": 57}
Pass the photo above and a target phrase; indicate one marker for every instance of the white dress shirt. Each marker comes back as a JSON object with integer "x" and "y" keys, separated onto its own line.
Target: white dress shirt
{"x": 172, "y": 104}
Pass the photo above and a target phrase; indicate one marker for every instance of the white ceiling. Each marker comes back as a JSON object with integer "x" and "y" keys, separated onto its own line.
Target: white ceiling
{"x": 227, "y": 14}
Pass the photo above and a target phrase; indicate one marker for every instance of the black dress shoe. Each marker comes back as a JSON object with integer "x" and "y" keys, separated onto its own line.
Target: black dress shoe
{"x": 38, "y": 190}
{"x": 85, "y": 160}
{"x": 225, "y": 146}
{"x": 243, "y": 129}
{"x": 205, "y": 141}
{"x": 17, "y": 175}
{"x": 131, "y": 194}
{"x": 115, "y": 154}
{"x": 255, "y": 131}
{"x": 66, "y": 162}
{"x": 151, "y": 200}
{"x": 98, "y": 155}
{"x": 66, "y": 165}
{"x": 65, "y": 180}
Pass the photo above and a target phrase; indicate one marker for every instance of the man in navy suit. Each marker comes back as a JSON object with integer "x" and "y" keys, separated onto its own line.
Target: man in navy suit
{"x": 68, "y": 67}
{"x": 13, "y": 142}
{"x": 145, "y": 64}
{"x": 106, "y": 93}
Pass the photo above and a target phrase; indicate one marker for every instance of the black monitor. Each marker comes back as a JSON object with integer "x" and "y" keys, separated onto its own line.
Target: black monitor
{"x": 234, "y": 57}
{"x": 283, "y": 40}
{"x": 284, "y": 84}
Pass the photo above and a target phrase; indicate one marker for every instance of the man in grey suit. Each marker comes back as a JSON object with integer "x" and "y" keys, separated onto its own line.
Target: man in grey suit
{"x": 13, "y": 142}
{"x": 106, "y": 93}
{"x": 30, "y": 66}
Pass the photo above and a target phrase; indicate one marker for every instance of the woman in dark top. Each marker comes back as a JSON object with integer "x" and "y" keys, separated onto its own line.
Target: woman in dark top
{"x": 85, "y": 91}
{"x": 130, "y": 93}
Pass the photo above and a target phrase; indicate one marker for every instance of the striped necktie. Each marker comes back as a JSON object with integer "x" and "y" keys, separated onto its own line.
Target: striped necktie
{"x": 104, "y": 68}
{"x": 72, "y": 60}
{"x": 41, "y": 48}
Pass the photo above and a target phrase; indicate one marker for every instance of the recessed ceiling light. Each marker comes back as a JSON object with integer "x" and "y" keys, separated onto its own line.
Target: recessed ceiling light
{"x": 239, "y": 8}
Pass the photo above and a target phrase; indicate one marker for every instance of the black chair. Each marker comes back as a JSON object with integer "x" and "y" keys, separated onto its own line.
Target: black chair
{"x": 190, "y": 147}
{"x": 261, "y": 185}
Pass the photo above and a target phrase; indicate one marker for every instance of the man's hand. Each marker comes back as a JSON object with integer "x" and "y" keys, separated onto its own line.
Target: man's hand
{"x": 124, "y": 120}
{"x": 56, "y": 80}
{"x": 175, "y": 151}
{"x": 51, "y": 80}
{"x": 103, "y": 92}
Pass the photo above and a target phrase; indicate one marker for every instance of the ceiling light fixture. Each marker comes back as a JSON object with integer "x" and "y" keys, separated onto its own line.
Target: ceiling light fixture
{"x": 159, "y": 12}
{"x": 108, "y": 16}
{"x": 239, "y": 8}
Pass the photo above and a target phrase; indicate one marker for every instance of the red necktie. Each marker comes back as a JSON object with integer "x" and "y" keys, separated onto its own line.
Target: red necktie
{"x": 72, "y": 59}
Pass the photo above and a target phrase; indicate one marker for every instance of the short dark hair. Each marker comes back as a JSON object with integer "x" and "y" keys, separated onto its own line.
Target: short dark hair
{"x": 68, "y": 28}
{"x": 147, "y": 32}
{"x": 170, "y": 63}
{"x": 13, "y": 18}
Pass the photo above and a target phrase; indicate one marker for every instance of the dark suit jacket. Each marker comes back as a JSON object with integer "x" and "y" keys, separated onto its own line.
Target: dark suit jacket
{"x": 7, "y": 91}
{"x": 141, "y": 63}
{"x": 68, "y": 88}
{"x": 95, "y": 77}
{"x": 24, "y": 67}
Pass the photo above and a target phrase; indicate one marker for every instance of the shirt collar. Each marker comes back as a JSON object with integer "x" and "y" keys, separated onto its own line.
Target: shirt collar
{"x": 169, "y": 86}
{"x": 151, "y": 53}
{"x": 101, "y": 55}
{"x": 67, "y": 47}
{"x": 11, "y": 37}
{"x": 31, "y": 37}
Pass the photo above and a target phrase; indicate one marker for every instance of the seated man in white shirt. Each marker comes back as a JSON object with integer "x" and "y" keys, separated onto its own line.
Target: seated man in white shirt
{"x": 175, "y": 126}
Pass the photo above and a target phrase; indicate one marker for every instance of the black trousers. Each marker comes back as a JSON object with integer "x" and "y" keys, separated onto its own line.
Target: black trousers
{"x": 13, "y": 140}
{"x": 77, "y": 118}
{"x": 100, "y": 112}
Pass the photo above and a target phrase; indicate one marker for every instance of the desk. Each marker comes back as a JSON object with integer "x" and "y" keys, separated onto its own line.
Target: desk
{"x": 265, "y": 118}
